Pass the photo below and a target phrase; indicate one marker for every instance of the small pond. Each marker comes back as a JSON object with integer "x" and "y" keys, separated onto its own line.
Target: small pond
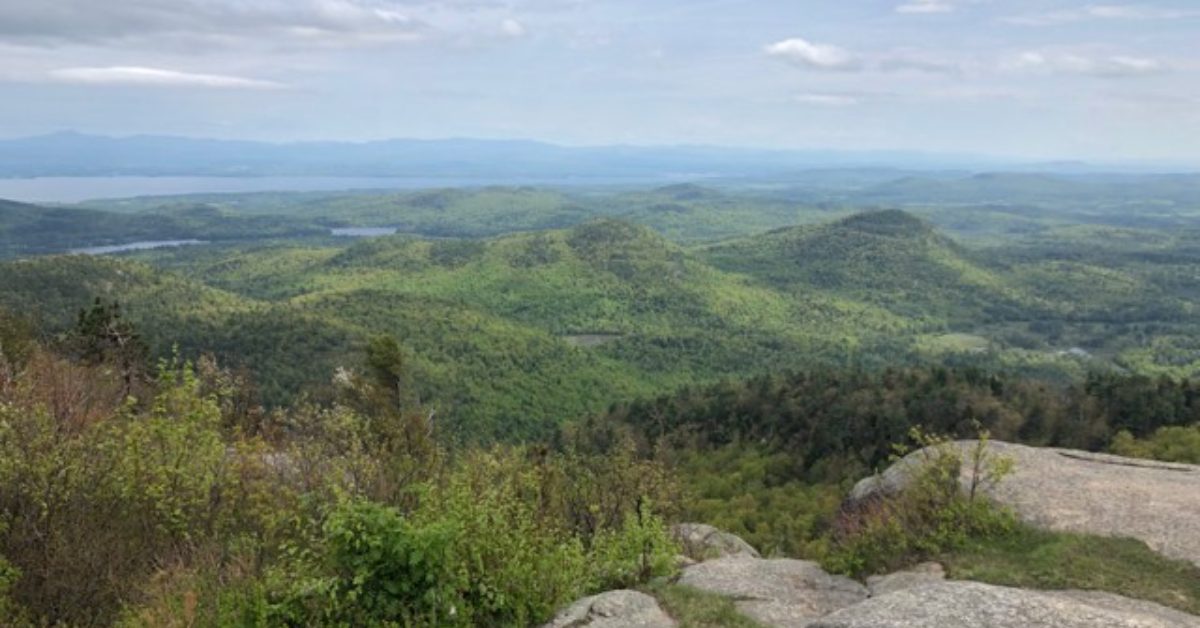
{"x": 133, "y": 246}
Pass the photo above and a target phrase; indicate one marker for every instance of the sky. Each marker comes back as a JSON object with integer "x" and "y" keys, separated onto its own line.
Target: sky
{"x": 1040, "y": 79}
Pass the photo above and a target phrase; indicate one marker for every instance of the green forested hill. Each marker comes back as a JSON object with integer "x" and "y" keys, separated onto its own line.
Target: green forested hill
{"x": 610, "y": 282}
{"x": 889, "y": 258}
{"x": 53, "y": 289}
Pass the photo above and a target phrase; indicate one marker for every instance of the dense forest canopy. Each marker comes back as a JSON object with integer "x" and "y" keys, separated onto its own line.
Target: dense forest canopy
{"x": 532, "y": 305}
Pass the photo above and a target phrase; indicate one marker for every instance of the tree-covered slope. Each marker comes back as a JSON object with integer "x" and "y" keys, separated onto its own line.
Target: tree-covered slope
{"x": 287, "y": 350}
{"x": 620, "y": 287}
{"x": 891, "y": 259}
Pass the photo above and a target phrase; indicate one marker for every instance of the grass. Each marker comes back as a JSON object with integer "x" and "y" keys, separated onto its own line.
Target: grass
{"x": 693, "y": 608}
{"x": 1036, "y": 559}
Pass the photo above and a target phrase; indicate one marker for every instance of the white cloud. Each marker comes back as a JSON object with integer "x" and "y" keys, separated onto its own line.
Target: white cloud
{"x": 926, "y": 6}
{"x": 156, "y": 77}
{"x": 1111, "y": 66}
{"x": 827, "y": 57}
{"x": 1127, "y": 12}
{"x": 213, "y": 22}
{"x": 826, "y": 100}
{"x": 803, "y": 53}
{"x": 513, "y": 28}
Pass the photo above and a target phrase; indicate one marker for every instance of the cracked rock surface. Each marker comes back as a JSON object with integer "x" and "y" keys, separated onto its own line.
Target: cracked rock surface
{"x": 973, "y": 604}
{"x": 777, "y": 592}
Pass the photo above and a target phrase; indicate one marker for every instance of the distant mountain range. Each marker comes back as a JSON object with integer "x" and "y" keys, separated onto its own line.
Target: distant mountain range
{"x": 77, "y": 154}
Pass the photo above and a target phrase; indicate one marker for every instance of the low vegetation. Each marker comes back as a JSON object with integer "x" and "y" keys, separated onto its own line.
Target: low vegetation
{"x": 1037, "y": 559}
{"x": 176, "y": 505}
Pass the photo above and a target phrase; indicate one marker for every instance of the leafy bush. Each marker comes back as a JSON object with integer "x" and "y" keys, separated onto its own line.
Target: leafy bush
{"x": 485, "y": 546}
{"x": 514, "y": 560}
{"x": 373, "y": 565}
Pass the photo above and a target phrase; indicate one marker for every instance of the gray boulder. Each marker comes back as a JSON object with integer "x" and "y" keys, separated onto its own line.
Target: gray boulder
{"x": 925, "y": 573}
{"x": 613, "y": 609}
{"x": 1075, "y": 491}
{"x": 702, "y": 542}
{"x": 776, "y": 592}
{"x": 976, "y": 605}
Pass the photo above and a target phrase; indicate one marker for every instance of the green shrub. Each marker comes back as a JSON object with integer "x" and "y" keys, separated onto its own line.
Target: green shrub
{"x": 1169, "y": 444}
{"x": 374, "y": 566}
{"x": 219, "y": 587}
{"x": 933, "y": 514}
{"x": 10, "y": 611}
{"x": 95, "y": 510}
{"x": 514, "y": 560}
{"x": 640, "y": 550}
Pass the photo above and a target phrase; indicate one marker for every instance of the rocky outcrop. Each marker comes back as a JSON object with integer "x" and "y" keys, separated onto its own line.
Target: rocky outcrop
{"x": 1075, "y": 491}
{"x": 776, "y": 592}
{"x": 976, "y": 605}
{"x": 703, "y": 542}
{"x": 614, "y": 609}
{"x": 785, "y": 593}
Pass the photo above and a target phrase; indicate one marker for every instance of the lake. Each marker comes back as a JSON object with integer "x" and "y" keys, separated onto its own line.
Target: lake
{"x": 363, "y": 232}
{"x": 133, "y": 246}
{"x": 77, "y": 189}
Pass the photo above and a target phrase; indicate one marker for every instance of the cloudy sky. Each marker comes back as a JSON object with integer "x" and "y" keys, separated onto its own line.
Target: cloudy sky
{"x": 1027, "y": 78}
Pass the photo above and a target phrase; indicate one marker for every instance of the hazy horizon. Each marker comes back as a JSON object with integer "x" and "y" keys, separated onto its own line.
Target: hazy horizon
{"x": 881, "y": 158}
